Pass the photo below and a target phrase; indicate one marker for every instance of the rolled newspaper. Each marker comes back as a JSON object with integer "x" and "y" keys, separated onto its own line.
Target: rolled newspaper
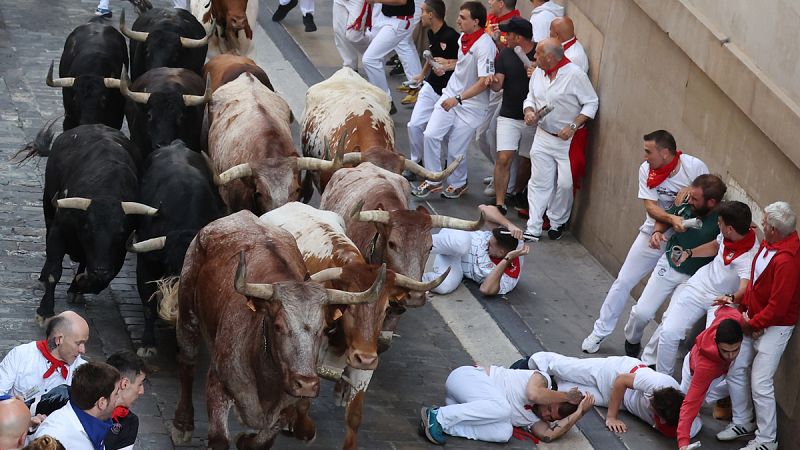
{"x": 522, "y": 56}
{"x": 693, "y": 223}
{"x": 429, "y": 58}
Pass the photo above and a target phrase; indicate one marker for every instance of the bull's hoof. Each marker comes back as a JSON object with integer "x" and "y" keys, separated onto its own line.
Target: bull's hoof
{"x": 245, "y": 441}
{"x": 179, "y": 436}
{"x": 147, "y": 352}
{"x": 75, "y": 298}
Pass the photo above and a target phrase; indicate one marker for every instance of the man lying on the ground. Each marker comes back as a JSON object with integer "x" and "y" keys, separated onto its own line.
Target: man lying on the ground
{"x": 486, "y": 403}
{"x": 619, "y": 382}
{"x": 492, "y": 258}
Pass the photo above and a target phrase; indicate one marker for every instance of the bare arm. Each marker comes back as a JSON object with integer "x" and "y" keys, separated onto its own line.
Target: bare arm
{"x": 658, "y": 213}
{"x": 548, "y": 432}
{"x": 537, "y": 392}
{"x": 706, "y": 250}
{"x": 491, "y": 285}
{"x": 622, "y": 383}
{"x": 494, "y": 219}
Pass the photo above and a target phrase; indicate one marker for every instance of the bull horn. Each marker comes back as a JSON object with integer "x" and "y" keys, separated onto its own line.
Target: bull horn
{"x": 149, "y": 245}
{"x": 376, "y": 215}
{"x": 353, "y": 158}
{"x": 334, "y": 273}
{"x": 198, "y": 100}
{"x": 111, "y": 83}
{"x": 307, "y": 163}
{"x": 337, "y": 297}
{"x": 73, "y": 203}
{"x": 196, "y": 43}
{"x": 58, "y": 82}
{"x": 140, "y": 36}
{"x": 139, "y": 209}
{"x": 234, "y": 173}
{"x": 263, "y": 291}
{"x": 124, "y": 81}
{"x": 414, "y": 285}
{"x": 426, "y": 174}
{"x": 457, "y": 224}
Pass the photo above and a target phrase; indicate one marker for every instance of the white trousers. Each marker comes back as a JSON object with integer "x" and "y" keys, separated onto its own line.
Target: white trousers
{"x": 760, "y": 361}
{"x": 685, "y": 308}
{"x": 423, "y": 108}
{"x": 459, "y": 133}
{"x": 389, "y": 34}
{"x": 475, "y": 409}
{"x": 351, "y": 44}
{"x": 640, "y": 261}
{"x": 549, "y": 161}
{"x": 449, "y": 246}
{"x": 663, "y": 281}
{"x": 306, "y": 6}
{"x": 486, "y": 134}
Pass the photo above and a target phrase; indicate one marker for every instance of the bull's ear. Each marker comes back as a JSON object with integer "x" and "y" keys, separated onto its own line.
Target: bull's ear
{"x": 307, "y": 187}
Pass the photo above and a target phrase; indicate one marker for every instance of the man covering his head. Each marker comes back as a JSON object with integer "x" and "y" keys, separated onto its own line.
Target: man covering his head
{"x": 125, "y": 424}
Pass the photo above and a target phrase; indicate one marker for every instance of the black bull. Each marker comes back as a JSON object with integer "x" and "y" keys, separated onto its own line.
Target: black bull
{"x": 90, "y": 192}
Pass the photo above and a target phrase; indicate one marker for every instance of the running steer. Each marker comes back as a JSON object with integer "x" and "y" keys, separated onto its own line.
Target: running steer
{"x": 180, "y": 182}
{"x": 263, "y": 338}
{"x": 226, "y": 68}
{"x": 165, "y": 37}
{"x": 90, "y": 192}
{"x": 93, "y": 59}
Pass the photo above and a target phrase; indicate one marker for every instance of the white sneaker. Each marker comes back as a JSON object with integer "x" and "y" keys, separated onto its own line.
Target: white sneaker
{"x": 735, "y": 431}
{"x": 592, "y": 343}
{"x": 489, "y": 190}
{"x": 487, "y": 180}
{"x": 753, "y": 445}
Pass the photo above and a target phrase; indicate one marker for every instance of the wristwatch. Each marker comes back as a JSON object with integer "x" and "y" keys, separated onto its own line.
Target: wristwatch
{"x": 458, "y": 98}
{"x": 573, "y": 126}
{"x": 507, "y": 258}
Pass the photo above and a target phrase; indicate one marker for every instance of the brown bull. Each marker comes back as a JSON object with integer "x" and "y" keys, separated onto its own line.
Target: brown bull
{"x": 251, "y": 150}
{"x": 225, "y": 68}
{"x": 263, "y": 338}
{"x": 347, "y": 105}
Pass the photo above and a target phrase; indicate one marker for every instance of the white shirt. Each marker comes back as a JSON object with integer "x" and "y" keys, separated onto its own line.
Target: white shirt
{"x": 664, "y": 194}
{"x": 541, "y": 18}
{"x": 762, "y": 261}
{"x": 477, "y": 265}
{"x": 513, "y": 382}
{"x": 577, "y": 54}
{"x": 477, "y": 63}
{"x": 22, "y": 369}
{"x": 637, "y": 400}
{"x": 716, "y": 278}
{"x": 570, "y": 93}
{"x": 63, "y": 424}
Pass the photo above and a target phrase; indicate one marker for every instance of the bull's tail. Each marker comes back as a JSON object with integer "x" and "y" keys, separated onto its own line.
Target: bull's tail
{"x": 41, "y": 144}
{"x": 168, "y": 291}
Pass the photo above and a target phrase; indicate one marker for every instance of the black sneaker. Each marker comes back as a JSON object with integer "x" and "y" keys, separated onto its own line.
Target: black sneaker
{"x": 308, "y": 21}
{"x": 555, "y": 233}
{"x": 393, "y": 109}
{"x": 632, "y": 350}
{"x": 283, "y": 10}
{"x": 396, "y": 70}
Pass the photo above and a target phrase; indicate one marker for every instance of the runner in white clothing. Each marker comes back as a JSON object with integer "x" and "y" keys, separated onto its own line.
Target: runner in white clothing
{"x": 619, "y": 382}
{"x": 563, "y": 29}
{"x": 558, "y": 84}
{"x": 463, "y": 103}
{"x": 661, "y": 177}
{"x": 544, "y": 11}
{"x": 306, "y": 9}
{"x": 350, "y": 21}
{"x": 31, "y": 370}
{"x": 487, "y": 403}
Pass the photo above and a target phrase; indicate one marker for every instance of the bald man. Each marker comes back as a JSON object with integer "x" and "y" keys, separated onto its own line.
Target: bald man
{"x": 563, "y": 29}
{"x": 14, "y": 420}
{"x": 31, "y": 370}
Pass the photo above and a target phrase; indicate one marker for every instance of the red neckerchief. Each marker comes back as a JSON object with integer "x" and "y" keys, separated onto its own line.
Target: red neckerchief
{"x": 492, "y": 19}
{"x": 523, "y": 435}
{"x": 468, "y": 39}
{"x": 657, "y": 176}
{"x": 55, "y": 363}
{"x": 512, "y": 269}
{"x": 670, "y": 431}
{"x": 732, "y": 250}
{"x": 564, "y": 61}
{"x": 569, "y": 43}
{"x": 120, "y": 412}
{"x": 366, "y": 10}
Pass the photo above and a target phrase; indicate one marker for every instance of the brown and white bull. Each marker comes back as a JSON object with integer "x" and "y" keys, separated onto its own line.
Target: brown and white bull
{"x": 232, "y": 21}
{"x": 224, "y": 68}
{"x": 386, "y": 231}
{"x": 251, "y": 150}
{"x": 263, "y": 328}
{"x": 352, "y": 346}
{"x": 347, "y": 104}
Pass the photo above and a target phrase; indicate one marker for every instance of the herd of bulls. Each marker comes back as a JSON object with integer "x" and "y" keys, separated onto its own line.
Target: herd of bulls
{"x": 206, "y": 192}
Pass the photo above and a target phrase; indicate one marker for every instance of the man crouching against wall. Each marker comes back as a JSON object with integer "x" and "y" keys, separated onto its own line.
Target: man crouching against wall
{"x": 486, "y": 403}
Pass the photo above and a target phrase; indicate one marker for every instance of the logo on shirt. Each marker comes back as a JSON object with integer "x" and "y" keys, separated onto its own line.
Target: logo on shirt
{"x": 443, "y": 45}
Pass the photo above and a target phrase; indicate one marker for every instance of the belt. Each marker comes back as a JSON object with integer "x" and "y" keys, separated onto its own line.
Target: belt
{"x": 640, "y": 366}
{"x": 406, "y": 18}
{"x": 551, "y": 134}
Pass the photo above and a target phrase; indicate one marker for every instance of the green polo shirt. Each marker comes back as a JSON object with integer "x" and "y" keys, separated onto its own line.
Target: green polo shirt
{"x": 692, "y": 238}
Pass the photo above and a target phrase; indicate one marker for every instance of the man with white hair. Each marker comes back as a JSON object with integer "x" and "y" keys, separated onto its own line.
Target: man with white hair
{"x": 31, "y": 370}
{"x": 770, "y": 305}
